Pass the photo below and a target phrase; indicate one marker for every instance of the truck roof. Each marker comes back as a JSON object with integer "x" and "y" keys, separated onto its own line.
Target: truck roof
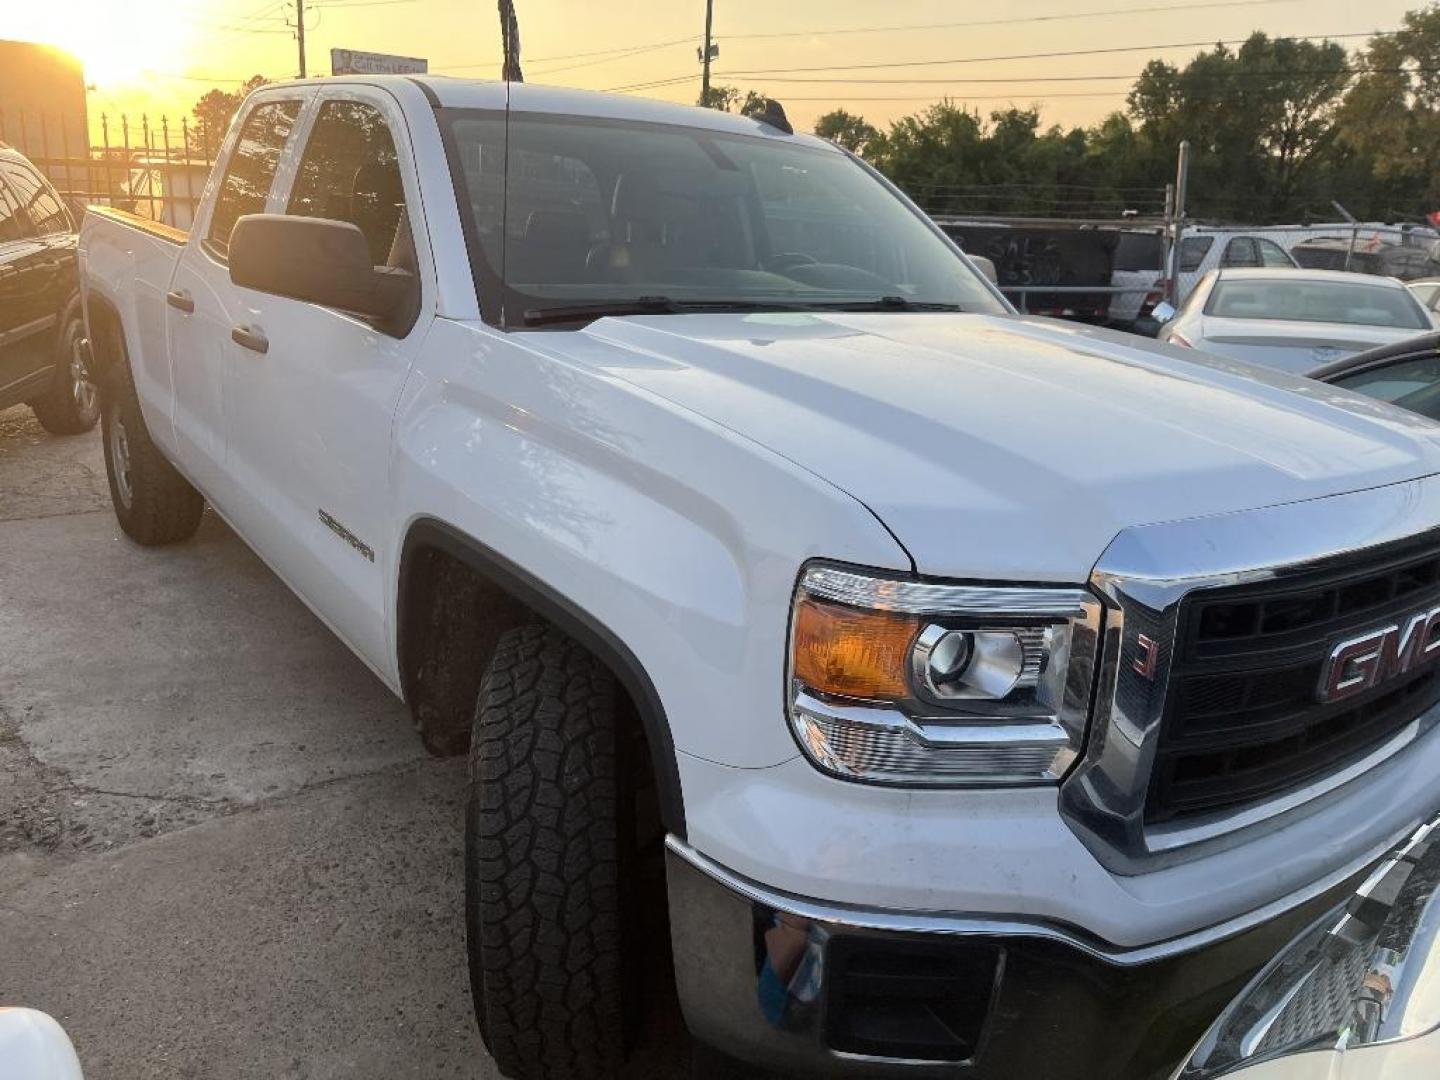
{"x": 459, "y": 93}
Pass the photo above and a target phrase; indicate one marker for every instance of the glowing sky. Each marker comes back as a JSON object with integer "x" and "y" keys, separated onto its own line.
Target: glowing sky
{"x": 160, "y": 55}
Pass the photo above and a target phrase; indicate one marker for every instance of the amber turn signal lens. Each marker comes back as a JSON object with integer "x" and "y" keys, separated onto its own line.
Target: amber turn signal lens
{"x": 851, "y": 652}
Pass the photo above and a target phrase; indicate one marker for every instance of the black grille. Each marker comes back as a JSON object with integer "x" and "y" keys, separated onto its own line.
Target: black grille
{"x": 1242, "y": 719}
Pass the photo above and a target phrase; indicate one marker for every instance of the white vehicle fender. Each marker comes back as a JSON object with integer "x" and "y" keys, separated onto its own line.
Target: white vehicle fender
{"x": 674, "y": 541}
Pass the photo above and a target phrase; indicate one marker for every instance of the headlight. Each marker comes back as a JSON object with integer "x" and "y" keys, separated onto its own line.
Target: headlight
{"x": 909, "y": 682}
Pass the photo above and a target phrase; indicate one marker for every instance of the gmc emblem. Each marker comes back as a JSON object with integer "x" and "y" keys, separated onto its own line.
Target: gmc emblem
{"x": 1363, "y": 663}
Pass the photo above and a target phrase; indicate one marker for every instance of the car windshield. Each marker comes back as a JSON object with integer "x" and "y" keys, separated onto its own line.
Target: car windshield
{"x": 1412, "y": 383}
{"x": 585, "y": 213}
{"x": 1313, "y": 300}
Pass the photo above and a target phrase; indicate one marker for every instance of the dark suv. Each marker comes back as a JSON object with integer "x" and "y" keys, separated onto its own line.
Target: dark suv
{"x": 42, "y": 328}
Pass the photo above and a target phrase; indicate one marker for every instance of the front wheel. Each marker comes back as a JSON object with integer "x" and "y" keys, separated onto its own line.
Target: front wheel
{"x": 72, "y": 403}
{"x": 548, "y": 847}
{"x": 153, "y": 502}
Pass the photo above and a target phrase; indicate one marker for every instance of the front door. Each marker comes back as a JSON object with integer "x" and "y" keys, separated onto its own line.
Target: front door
{"x": 311, "y": 392}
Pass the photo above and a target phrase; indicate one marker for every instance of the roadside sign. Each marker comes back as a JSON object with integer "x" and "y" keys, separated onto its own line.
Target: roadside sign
{"x": 354, "y": 62}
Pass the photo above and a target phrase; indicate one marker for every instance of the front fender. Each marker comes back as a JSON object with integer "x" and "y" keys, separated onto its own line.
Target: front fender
{"x": 679, "y": 538}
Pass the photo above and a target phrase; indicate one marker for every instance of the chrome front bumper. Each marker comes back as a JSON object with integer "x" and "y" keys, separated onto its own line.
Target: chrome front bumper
{"x": 803, "y": 987}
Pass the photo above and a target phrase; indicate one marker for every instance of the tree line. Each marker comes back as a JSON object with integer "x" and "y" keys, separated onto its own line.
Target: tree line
{"x": 1278, "y": 128}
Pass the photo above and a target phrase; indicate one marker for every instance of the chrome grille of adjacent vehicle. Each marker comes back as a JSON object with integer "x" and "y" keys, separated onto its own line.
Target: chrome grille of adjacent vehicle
{"x": 1242, "y": 720}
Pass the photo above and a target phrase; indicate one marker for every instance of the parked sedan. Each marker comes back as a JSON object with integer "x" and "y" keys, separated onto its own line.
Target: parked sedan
{"x": 1405, "y": 374}
{"x": 1294, "y": 320}
{"x": 42, "y": 327}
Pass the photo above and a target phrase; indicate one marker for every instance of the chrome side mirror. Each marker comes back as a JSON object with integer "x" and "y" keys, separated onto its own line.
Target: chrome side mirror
{"x": 1163, "y": 311}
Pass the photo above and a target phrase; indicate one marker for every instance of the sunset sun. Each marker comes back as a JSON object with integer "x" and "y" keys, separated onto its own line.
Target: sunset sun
{"x": 118, "y": 44}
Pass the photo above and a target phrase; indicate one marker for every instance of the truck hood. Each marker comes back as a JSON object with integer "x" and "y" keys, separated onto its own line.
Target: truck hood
{"x": 1003, "y": 447}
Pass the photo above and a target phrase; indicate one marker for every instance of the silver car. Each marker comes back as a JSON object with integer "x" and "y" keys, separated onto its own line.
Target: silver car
{"x": 1294, "y": 320}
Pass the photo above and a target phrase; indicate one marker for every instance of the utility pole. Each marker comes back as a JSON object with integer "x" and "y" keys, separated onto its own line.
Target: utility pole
{"x": 707, "y": 53}
{"x": 1182, "y": 182}
{"x": 300, "y": 32}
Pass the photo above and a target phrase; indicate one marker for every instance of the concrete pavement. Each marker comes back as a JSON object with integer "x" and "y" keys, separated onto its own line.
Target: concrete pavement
{"x": 223, "y": 852}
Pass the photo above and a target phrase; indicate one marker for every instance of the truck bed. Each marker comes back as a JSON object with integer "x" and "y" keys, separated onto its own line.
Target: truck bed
{"x": 168, "y": 233}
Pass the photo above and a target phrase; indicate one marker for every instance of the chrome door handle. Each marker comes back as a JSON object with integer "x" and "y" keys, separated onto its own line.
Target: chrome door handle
{"x": 180, "y": 300}
{"x": 250, "y": 337}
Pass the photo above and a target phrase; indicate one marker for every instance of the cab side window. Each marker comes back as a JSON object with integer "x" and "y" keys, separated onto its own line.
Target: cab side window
{"x": 247, "y": 179}
{"x": 350, "y": 172}
{"x": 37, "y": 199}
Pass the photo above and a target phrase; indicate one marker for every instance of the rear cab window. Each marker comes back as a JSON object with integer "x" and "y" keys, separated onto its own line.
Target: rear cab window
{"x": 251, "y": 170}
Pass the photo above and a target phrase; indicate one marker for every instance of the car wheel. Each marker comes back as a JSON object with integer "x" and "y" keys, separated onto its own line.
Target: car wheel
{"x": 153, "y": 503}
{"x": 548, "y": 845}
{"x": 72, "y": 404}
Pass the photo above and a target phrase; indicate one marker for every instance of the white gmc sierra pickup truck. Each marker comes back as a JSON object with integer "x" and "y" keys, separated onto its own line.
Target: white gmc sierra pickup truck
{"x": 944, "y": 689}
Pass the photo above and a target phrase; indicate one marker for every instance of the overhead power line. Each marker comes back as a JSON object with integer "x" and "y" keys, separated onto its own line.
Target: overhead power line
{"x": 1263, "y": 76}
{"x": 1108, "y": 51}
{"x": 1009, "y": 21}
{"x": 618, "y": 54}
{"x": 630, "y": 50}
{"x": 774, "y": 74}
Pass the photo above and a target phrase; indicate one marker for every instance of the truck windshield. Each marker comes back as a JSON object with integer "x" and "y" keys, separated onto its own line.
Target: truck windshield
{"x": 585, "y": 212}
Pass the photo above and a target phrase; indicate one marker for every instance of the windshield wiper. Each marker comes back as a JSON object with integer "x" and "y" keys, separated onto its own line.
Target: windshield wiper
{"x": 666, "y": 305}
{"x": 650, "y": 305}
{"x": 640, "y": 305}
{"x": 884, "y": 303}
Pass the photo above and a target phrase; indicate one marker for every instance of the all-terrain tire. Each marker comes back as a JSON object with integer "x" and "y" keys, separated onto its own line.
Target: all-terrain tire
{"x": 72, "y": 403}
{"x": 545, "y": 861}
{"x": 153, "y": 502}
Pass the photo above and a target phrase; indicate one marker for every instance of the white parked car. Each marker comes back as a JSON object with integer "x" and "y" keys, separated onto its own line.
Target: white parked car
{"x": 1294, "y": 320}
{"x": 1203, "y": 250}
{"x": 33, "y": 1046}
{"x": 943, "y": 689}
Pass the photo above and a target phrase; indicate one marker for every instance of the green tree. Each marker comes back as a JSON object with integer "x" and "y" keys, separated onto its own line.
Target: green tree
{"x": 1390, "y": 121}
{"x": 850, "y": 131}
{"x": 1258, "y": 119}
{"x": 216, "y": 108}
{"x": 730, "y": 99}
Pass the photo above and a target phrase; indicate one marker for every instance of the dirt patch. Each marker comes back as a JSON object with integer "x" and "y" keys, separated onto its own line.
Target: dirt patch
{"x": 43, "y": 810}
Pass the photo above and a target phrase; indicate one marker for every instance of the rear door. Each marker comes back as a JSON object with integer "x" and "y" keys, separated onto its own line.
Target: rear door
{"x": 37, "y": 266}
{"x": 202, "y": 305}
{"x": 308, "y": 420}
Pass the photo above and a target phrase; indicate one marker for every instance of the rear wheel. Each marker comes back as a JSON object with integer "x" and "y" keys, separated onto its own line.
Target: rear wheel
{"x": 550, "y": 853}
{"x": 72, "y": 404}
{"x": 153, "y": 503}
